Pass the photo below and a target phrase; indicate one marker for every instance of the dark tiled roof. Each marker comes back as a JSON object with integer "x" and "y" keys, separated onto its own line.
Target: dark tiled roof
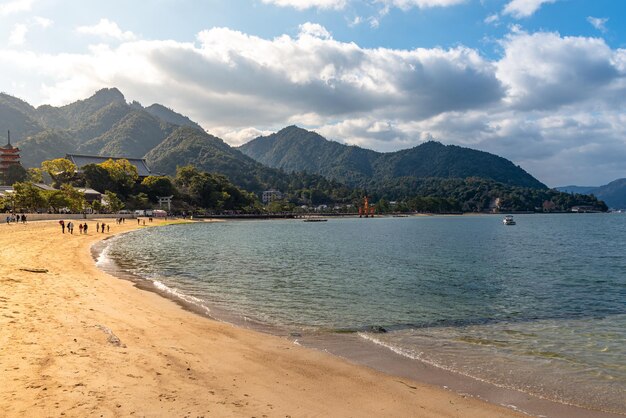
{"x": 83, "y": 160}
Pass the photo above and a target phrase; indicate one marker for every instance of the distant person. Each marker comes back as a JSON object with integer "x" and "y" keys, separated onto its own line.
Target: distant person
{"x": 23, "y": 218}
{"x": 8, "y": 219}
{"x": 107, "y": 229}
{"x": 138, "y": 221}
{"x": 62, "y": 225}
{"x": 85, "y": 228}
{"x": 144, "y": 222}
{"x": 97, "y": 226}
{"x": 80, "y": 229}
{"x": 102, "y": 227}
{"x": 150, "y": 219}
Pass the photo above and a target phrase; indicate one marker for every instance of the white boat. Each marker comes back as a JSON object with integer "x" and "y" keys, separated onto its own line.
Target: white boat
{"x": 508, "y": 220}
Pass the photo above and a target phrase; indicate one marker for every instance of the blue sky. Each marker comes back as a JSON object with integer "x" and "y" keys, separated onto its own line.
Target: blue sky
{"x": 541, "y": 82}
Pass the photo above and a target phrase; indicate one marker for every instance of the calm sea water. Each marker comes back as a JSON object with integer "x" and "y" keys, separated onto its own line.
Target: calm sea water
{"x": 540, "y": 306}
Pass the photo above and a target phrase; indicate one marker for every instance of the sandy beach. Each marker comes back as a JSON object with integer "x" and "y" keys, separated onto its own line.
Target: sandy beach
{"x": 76, "y": 341}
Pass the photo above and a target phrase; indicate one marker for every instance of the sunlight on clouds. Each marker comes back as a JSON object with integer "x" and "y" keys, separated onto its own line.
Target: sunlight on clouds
{"x": 524, "y": 8}
{"x": 106, "y": 29}
{"x": 15, "y": 6}
{"x": 422, "y": 4}
{"x": 18, "y": 34}
{"x": 309, "y": 4}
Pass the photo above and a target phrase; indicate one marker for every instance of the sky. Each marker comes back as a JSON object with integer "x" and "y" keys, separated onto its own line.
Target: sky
{"x": 540, "y": 82}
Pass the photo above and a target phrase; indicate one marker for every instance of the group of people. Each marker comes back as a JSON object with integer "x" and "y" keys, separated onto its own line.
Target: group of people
{"x": 82, "y": 227}
{"x": 16, "y": 218}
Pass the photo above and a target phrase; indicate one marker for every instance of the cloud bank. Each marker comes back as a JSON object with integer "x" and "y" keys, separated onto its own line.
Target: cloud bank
{"x": 552, "y": 104}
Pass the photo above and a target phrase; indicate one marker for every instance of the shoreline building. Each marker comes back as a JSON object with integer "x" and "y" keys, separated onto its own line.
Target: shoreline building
{"x": 9, "y": 156}
{"x": 271, "y": 195}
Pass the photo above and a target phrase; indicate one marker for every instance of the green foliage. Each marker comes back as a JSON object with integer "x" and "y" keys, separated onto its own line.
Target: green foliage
{"x": 122, "y": 173}
{"x": 211, "y": 191}
{"x": 35, "y": 175}
{"x": 157, "y": 186}
{"x": 14, "y": 173}
{"x": 296, "y": 149}
{"x": 111, "y": 202}
{"x": 56, "y": 200}
{"x": 27, "y": 197}
{"x": 61, "y": 170}
{"x": 75, "y": 199}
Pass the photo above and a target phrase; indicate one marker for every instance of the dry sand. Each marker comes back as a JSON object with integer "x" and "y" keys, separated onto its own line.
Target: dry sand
{"x": 75, "y": 341}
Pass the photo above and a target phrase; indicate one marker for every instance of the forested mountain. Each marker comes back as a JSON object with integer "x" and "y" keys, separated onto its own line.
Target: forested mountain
{"x": 296, "y": 149}
{"x": 613, "y": 194}
{"x": 168, "y": 115}
{"x": 431, "y": 177}
{"x": 103, "y": 124}
{"x": 190, "y": 146}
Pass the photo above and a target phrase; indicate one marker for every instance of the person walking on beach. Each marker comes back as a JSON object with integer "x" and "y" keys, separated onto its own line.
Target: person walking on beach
{"x": 85, "y": 228}
{"x": 23, "y": 218}
{"x": 62, "y": 225}
{"x": 70, "y": 227}
{"x": 97, "y": 226}
{"x": 102, "y": 227}
{"x": 8, "y": 219}
{"x": 80, "y": 229}
{"x": 107, "y": 229}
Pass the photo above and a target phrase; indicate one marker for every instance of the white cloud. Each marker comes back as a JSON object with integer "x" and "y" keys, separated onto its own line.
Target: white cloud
{"x": 494, "y": 18}
{"x": 315, "y": 30}
{"x": 550, "y": 103}
{"x": 15, "y": 6}
{"x": 546, "y": 71}
{"x": 422, "y": 4}
{"x": 524, "y": 8}
{"x": 309, "y": 4}
{"x": 18, "y": 34}
{"x": 598, "y": 22}
{"x": 106, "y": 29}
{"x": 42, "y": 22}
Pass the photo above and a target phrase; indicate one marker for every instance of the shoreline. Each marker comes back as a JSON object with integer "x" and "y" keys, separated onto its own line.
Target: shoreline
{"x": 363, "y": 351}
{"x": 77, "y": 341}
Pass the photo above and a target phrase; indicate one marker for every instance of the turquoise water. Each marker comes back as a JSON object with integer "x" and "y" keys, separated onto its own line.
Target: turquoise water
{"x": 539, "y": 307}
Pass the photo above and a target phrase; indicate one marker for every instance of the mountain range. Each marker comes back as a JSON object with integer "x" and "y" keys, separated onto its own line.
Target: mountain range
{"x": 296, "y": 149}
{"x": 613, "y": 194}
{"x": 106, "y": 124}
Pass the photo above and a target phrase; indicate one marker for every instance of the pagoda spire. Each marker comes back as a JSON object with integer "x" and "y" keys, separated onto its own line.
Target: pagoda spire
{"x": 8, "y": 138}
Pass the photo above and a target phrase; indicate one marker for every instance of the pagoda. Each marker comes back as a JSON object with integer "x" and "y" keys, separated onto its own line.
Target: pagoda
{"x": 9, "y": 155}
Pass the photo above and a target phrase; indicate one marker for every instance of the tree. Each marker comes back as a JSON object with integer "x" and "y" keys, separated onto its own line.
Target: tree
{"x": 98, "y": 178}
{"x": 28, "y": 197}
{"x": 56, "y": 200}
{"x": 61, "y": 170}
{"x": 123, "y": 173}
{"x": 155, "y": 186}
{"x": 75, "y": 198}
{"x": 184, "y": 175}
{"x": 112, "y": 202}
{"x": 35, "y": 175}
{"x": 15, "y": 173}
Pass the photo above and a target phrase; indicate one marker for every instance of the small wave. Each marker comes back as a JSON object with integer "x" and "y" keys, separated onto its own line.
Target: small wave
{"x": 173, "y": 292}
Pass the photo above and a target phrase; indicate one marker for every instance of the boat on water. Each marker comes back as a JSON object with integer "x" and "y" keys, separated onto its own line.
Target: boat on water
{"x": 508, "y": 220}
{"x": 315, "y": 220}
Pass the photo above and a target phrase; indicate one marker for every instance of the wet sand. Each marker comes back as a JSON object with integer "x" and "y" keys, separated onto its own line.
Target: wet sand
{"x": 76, "y": 341}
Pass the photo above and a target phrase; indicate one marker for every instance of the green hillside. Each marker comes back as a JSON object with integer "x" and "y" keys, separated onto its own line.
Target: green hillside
{"x": 296, "y": 149}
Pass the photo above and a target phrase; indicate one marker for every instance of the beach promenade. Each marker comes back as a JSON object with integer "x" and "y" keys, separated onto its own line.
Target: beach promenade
{"x": 75, "y": 341}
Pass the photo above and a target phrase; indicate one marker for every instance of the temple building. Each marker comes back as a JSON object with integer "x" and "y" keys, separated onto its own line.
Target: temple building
{"x": 82, "y": 160}
{"x": 9, "y": 155}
